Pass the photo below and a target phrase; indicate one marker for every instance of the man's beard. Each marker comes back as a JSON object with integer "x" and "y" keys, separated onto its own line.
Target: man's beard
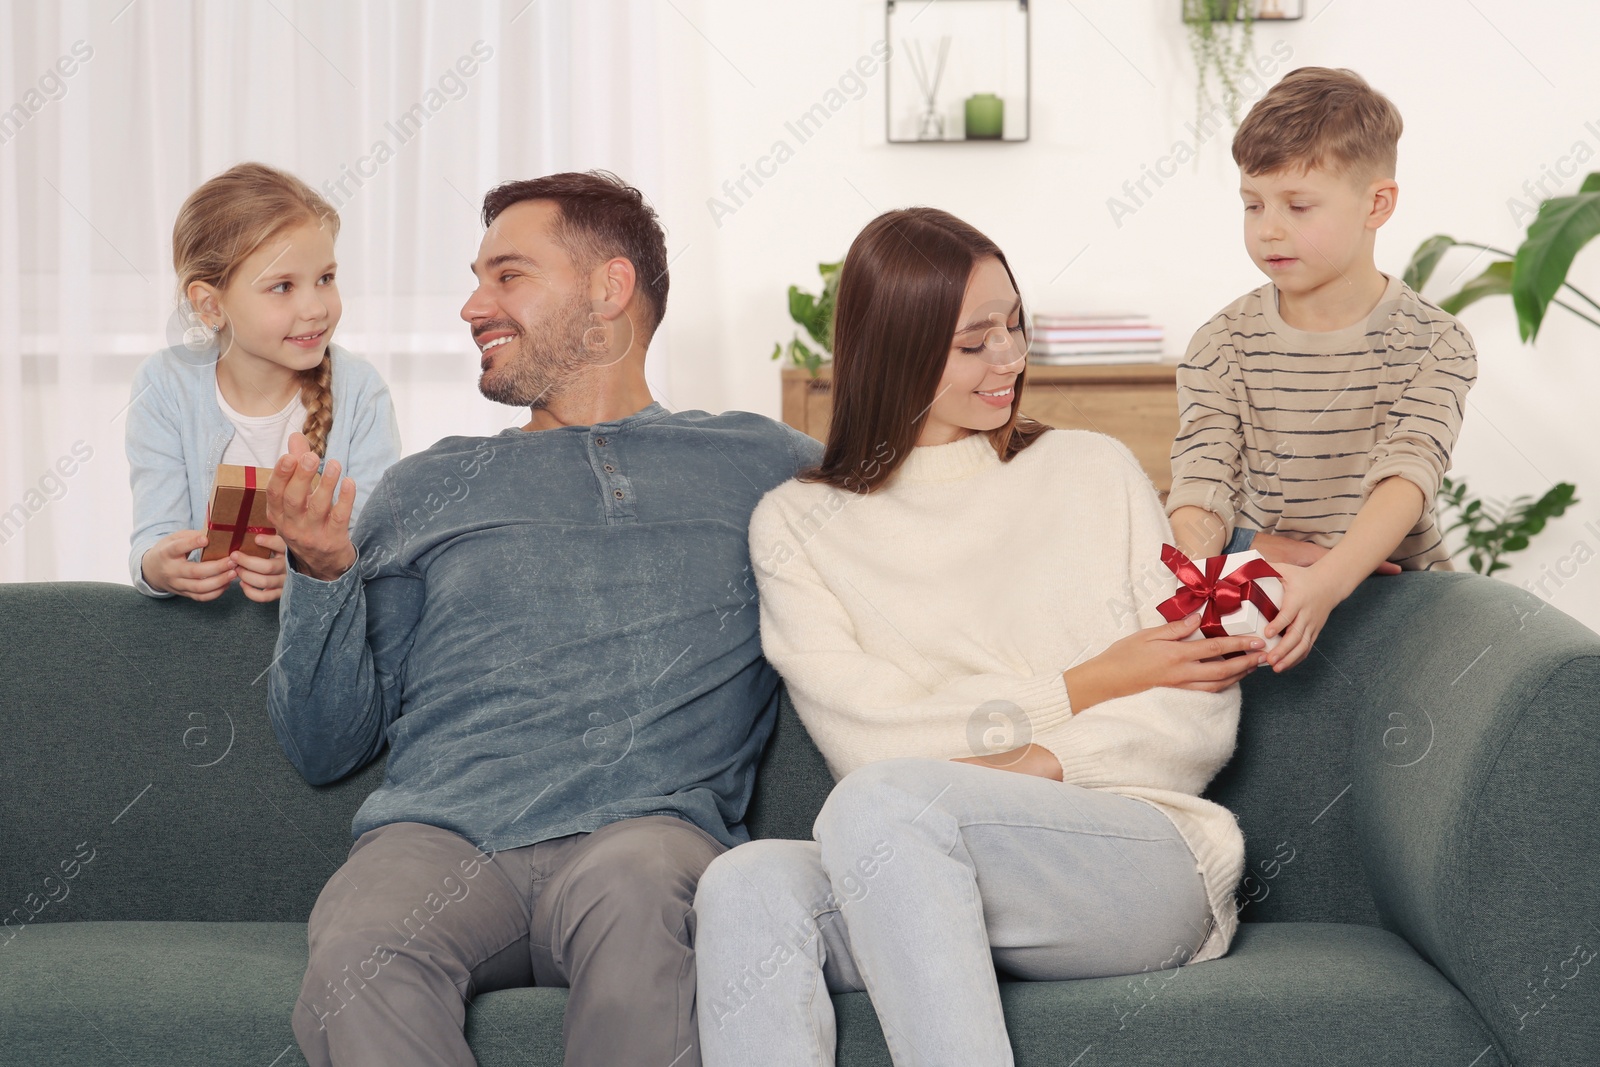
{"x": 546, "y": 361}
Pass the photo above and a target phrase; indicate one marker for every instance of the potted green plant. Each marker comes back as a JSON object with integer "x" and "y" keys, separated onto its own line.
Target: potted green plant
{"x": 814, "y": 313}
{"x": 1532, "y": 276}
{"x": 1535, "y": 272}
{"x": 1221, "y": 39}
{"x": 1493, "y": 530}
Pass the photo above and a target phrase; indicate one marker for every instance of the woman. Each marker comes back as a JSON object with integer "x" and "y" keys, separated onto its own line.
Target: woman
{"x": 954, "y": 599}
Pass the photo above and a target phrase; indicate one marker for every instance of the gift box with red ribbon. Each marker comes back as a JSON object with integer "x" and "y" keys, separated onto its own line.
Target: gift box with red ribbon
{"x": 1236, "y": 594}
{"x": 237, "y": 511}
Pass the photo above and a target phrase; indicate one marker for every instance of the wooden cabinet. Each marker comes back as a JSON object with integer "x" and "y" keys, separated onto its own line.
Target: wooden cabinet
{"x": 1137, "y": 403}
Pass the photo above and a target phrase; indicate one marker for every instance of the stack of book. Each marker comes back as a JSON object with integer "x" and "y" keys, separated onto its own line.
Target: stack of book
{"x": 1107, "y": 337}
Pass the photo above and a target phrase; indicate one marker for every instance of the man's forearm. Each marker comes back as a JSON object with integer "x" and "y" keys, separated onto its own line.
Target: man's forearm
{"x": 1388, "y": 515}
{"x": 322, "y": 694}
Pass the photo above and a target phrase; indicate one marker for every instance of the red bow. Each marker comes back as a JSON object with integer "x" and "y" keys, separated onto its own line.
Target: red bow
{"x": 1221, "y": 595}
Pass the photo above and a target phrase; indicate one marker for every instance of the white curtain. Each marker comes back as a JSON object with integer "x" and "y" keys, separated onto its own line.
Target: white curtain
{"x": 403, "y": 114}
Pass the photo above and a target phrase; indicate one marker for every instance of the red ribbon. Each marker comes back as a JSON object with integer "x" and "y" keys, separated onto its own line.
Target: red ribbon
{"x": 1221, "y": 595}
{"x": 239, "y": 529}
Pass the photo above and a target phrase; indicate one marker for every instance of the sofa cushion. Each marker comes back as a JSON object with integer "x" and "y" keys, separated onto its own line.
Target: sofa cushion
{"x": 1326, "y": 994}
{"x": 152, "y": 993}
{"x": 181, "y": 993}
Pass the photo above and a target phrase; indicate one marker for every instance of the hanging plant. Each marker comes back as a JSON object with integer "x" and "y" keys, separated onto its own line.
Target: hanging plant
{"x": 1221, "y": 38}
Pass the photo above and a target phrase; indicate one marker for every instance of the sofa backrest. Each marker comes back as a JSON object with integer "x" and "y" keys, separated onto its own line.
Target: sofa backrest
{"x": 140, "y": 778}
{"x": 136, "y": 733}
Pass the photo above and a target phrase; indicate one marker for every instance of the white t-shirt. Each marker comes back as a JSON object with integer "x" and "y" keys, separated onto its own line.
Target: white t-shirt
{"x": 261, "y": 440}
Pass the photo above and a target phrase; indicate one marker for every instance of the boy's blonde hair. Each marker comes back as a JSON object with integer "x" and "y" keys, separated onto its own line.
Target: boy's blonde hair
{"x": 1320, "y": 117}
{"x": 227, "y": 219}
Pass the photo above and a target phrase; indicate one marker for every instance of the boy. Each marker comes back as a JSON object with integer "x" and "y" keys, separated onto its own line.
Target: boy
{"x": 1317, "y": 413}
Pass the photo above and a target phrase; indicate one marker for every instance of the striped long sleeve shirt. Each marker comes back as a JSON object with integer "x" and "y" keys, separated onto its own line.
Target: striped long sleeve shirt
{"x": 1288, "y": 431}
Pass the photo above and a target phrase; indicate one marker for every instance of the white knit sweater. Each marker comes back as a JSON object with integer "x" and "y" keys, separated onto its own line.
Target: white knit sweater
{"x": 934, "y": 618}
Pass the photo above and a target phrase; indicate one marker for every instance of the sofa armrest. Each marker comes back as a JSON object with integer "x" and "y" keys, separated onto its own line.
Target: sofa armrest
{"x": 1476, "y": 789}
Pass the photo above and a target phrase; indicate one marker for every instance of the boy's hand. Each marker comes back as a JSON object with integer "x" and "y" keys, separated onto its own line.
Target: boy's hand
{"x": 262, "y": 579}
{"x": 1276, "y": 548}
{"x": 1309, "y": 595}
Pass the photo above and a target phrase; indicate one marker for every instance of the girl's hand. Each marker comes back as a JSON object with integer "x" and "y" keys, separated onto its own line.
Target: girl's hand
{"x": 262, "y": 579}
{"x": 167, "y": 568}
{"x": 1158, "y": 656}
{"x": 1309, "y": 595}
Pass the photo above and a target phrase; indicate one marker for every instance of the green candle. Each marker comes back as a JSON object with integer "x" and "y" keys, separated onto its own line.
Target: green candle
{"x": 985, "y": 117}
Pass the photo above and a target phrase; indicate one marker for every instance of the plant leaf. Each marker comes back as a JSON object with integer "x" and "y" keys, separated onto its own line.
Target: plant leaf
{"x": 1564, "y": 225}
{"x": 1426, "y": 258}
{"x": 1557, "y": 500}
{"x": 802, "y": 306}
{"x": 1494, "y": 281}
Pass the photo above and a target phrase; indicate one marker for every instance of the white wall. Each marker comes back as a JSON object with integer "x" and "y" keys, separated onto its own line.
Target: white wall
{"x": 1487, "y": 107}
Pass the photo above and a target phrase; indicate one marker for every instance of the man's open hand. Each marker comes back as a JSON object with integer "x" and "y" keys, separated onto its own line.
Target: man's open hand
{"x": 314, "y": 526}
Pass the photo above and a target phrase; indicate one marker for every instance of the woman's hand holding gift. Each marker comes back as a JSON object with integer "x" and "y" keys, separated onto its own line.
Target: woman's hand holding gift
{"x": 1159, "y": 656}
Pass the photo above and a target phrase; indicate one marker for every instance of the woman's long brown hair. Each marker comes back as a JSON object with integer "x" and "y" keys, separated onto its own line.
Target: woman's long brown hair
{"x": 900, "y": 293}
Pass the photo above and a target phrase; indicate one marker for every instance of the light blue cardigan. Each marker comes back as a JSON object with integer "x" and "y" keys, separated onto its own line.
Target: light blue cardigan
{"x": 177, "y": 435}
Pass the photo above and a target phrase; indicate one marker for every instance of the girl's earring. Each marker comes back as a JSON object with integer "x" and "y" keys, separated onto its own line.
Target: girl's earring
{"x": 200, "y": 334}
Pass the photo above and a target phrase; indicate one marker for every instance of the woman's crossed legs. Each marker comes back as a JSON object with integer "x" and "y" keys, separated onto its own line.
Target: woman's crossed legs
{"x": 925, "y": 875}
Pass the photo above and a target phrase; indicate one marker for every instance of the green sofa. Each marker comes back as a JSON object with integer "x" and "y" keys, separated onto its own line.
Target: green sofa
{"x": 1419, "y": 799}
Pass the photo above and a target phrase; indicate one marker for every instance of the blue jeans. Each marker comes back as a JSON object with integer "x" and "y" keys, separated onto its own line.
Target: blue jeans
{"x": 925, "y": 876}
{"x": 1242, "y": 536}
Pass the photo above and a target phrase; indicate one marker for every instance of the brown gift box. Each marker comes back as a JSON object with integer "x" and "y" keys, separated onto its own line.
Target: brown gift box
{"x": 237, "y": 511}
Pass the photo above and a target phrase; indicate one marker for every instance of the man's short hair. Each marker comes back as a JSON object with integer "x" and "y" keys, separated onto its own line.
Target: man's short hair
{"x": 601, "y": 217}
{"x": 1320, "y": 117}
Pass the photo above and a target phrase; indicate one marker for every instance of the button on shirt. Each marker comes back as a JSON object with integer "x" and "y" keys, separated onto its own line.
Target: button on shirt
{"x": 551, "y": 631}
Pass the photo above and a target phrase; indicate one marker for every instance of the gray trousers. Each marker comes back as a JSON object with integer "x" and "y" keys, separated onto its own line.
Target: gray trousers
{"x": 419, "y": 920}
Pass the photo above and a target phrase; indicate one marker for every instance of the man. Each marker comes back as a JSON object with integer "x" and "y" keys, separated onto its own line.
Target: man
{"x": 554, "y": 631}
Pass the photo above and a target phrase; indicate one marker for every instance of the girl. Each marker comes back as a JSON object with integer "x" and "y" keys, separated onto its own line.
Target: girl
{"x": 253, "y": 248}
{"x": 954, "y": 599}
